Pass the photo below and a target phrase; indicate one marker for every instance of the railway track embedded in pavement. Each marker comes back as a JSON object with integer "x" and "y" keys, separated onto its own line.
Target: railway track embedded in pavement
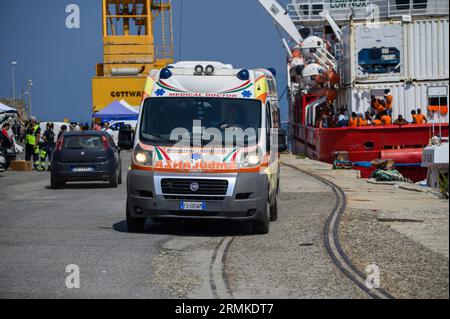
{"x": 332, "y": 243}
{"x": 218, "y": 278}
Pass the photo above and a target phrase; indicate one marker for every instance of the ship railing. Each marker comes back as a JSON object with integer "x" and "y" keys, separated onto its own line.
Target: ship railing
{"x": 303, "y": 11}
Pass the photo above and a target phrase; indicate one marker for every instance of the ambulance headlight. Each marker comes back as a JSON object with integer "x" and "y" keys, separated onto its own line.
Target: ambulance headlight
{"x": 198, "y": 70}
{"x": 142, "y": 157}
{"x": 251, "y": 158}
{"x": 209, "y": 70}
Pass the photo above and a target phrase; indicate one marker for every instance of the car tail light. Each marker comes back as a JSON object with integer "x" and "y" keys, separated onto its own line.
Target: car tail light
{"x": 105, "y": 143}
{"x": 59, "y": 143}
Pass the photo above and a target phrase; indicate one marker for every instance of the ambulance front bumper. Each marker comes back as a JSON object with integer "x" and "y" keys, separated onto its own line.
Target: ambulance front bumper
{"x": 243, "y": 198}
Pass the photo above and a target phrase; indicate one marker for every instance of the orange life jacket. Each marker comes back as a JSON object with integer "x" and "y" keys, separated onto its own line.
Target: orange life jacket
{"x": 352, "y": 122}
{"x": 389, "y": 99}
{"x": 386, "y": 119}
{"x": 362, "y": 122}
{"x": 423, "y": 118}
{"x": 377, "y": 122}
{"x": 419, "y": 118}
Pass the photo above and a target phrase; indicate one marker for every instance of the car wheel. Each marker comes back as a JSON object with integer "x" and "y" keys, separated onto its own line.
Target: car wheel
{"x": 262, "y": 224}
{"x": 274, "y": 210}
{"x": 114, "y": 180}
{"x": 120, "y": 174}
{"x": 56, "y": 184}
{"x": 134, "y": 225}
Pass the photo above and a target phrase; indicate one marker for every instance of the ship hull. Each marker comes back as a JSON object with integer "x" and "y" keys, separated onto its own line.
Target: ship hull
{"x": 403, "y": 144}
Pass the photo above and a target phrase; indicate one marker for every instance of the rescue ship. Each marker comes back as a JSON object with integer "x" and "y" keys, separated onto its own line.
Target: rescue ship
{"x": 358, "y": 56}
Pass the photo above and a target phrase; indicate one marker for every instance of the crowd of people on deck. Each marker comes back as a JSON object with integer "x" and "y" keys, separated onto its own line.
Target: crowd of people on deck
{"x": 380, "y": 113}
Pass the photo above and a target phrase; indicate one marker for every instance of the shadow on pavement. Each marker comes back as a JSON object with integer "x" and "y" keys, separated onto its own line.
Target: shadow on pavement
{"x": 83, "y": 186}
{"x": 191, "y": 228}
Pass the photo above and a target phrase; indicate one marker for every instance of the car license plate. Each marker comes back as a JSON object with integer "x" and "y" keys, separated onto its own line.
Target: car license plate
{"x": 192, "y": 205}
{"x": 82, "y": 169}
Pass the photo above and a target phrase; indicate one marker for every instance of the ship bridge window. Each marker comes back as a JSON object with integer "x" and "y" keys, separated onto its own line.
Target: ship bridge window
{"x": 317, "y": 8}
{"x": 406, "y": 4}
{"x": 420, "y": 4}
{"x": 304, "y": 9}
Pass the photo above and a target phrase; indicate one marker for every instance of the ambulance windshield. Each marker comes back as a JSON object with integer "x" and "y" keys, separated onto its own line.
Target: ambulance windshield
{"x": 201, "y": 120}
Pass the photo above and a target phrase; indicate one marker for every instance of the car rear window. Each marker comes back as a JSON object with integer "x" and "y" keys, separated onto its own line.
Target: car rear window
{"x": 83, "y": 142}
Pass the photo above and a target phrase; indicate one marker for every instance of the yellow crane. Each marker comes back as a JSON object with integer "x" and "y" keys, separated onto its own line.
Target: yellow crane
{"x": 137, "y": 37}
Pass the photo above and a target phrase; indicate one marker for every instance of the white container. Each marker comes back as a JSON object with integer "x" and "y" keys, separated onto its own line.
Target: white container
{"x": 406, "y": 98}
{"x": 426, "y": 49}
{"x": 423, "y": 46}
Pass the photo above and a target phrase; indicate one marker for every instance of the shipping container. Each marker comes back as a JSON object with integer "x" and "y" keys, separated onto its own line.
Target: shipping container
{"x": 426, "y": 56}
{"x": 393, "y": 51}
{"x": 407, "y": 97}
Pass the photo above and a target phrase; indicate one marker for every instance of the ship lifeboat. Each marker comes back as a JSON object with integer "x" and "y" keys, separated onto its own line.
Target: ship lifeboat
{"x": 310, "y": 45}
{"x": 313, "y": 74}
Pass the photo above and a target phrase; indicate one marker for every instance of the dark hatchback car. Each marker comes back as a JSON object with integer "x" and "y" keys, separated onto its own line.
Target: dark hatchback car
{"x": 85, "y": 156}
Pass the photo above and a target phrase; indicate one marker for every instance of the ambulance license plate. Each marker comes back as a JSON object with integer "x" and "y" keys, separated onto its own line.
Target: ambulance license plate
{"x": 192, "y": 205}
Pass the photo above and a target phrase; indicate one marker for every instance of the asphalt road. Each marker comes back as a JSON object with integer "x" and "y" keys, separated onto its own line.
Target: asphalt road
{"x": 44, "y": 230}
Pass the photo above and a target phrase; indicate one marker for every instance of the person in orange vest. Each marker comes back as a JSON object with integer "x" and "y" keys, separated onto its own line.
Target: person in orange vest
{"x": 376, "y": 104}
{"x": 353, "y": 120}
{"x": 377, "y": 121}
{"x": 361, "y": 120}
{"x": 414, "y": 117}
{"x": 385, "y": 118}
{"x": 421, "y": 118}
{"x": 388, "y": 101}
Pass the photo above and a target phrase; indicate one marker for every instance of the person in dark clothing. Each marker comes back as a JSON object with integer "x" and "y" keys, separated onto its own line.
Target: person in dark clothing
{"x": 16, "y": 130}
{"x": 400, "y": 120}
{"x": 62, "y": 131}
{"x": 49, "y": 143}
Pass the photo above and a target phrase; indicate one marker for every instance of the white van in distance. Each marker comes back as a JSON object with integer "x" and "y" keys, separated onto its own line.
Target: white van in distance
{"x": 206, "y": 146}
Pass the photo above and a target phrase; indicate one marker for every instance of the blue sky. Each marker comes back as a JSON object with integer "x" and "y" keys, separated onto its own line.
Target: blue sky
{"x": 61, "y": 61}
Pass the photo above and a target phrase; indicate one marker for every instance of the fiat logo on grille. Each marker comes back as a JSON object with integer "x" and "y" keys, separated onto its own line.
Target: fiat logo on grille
{"x": 194, "y": 186}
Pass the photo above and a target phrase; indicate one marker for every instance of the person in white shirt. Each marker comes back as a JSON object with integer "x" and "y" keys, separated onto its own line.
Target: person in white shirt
{"x": 107, "y": 129}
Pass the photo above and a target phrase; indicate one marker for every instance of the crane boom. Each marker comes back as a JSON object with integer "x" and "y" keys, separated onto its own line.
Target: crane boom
{"x": 281, "y": 16}
{"x": 337, "y": 31}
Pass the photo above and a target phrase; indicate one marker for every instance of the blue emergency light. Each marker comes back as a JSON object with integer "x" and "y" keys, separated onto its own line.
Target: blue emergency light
{"x": 273, "y": 71}
{"x": 243, "y": 75}
{"x": 165, "y": 74}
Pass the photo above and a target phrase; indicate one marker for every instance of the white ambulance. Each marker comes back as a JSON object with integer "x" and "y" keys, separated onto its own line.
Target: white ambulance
{"x": 206, "y": 146}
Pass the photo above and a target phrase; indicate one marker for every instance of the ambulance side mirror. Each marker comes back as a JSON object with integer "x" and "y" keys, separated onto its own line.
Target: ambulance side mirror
{"x": 125, "y": 138}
